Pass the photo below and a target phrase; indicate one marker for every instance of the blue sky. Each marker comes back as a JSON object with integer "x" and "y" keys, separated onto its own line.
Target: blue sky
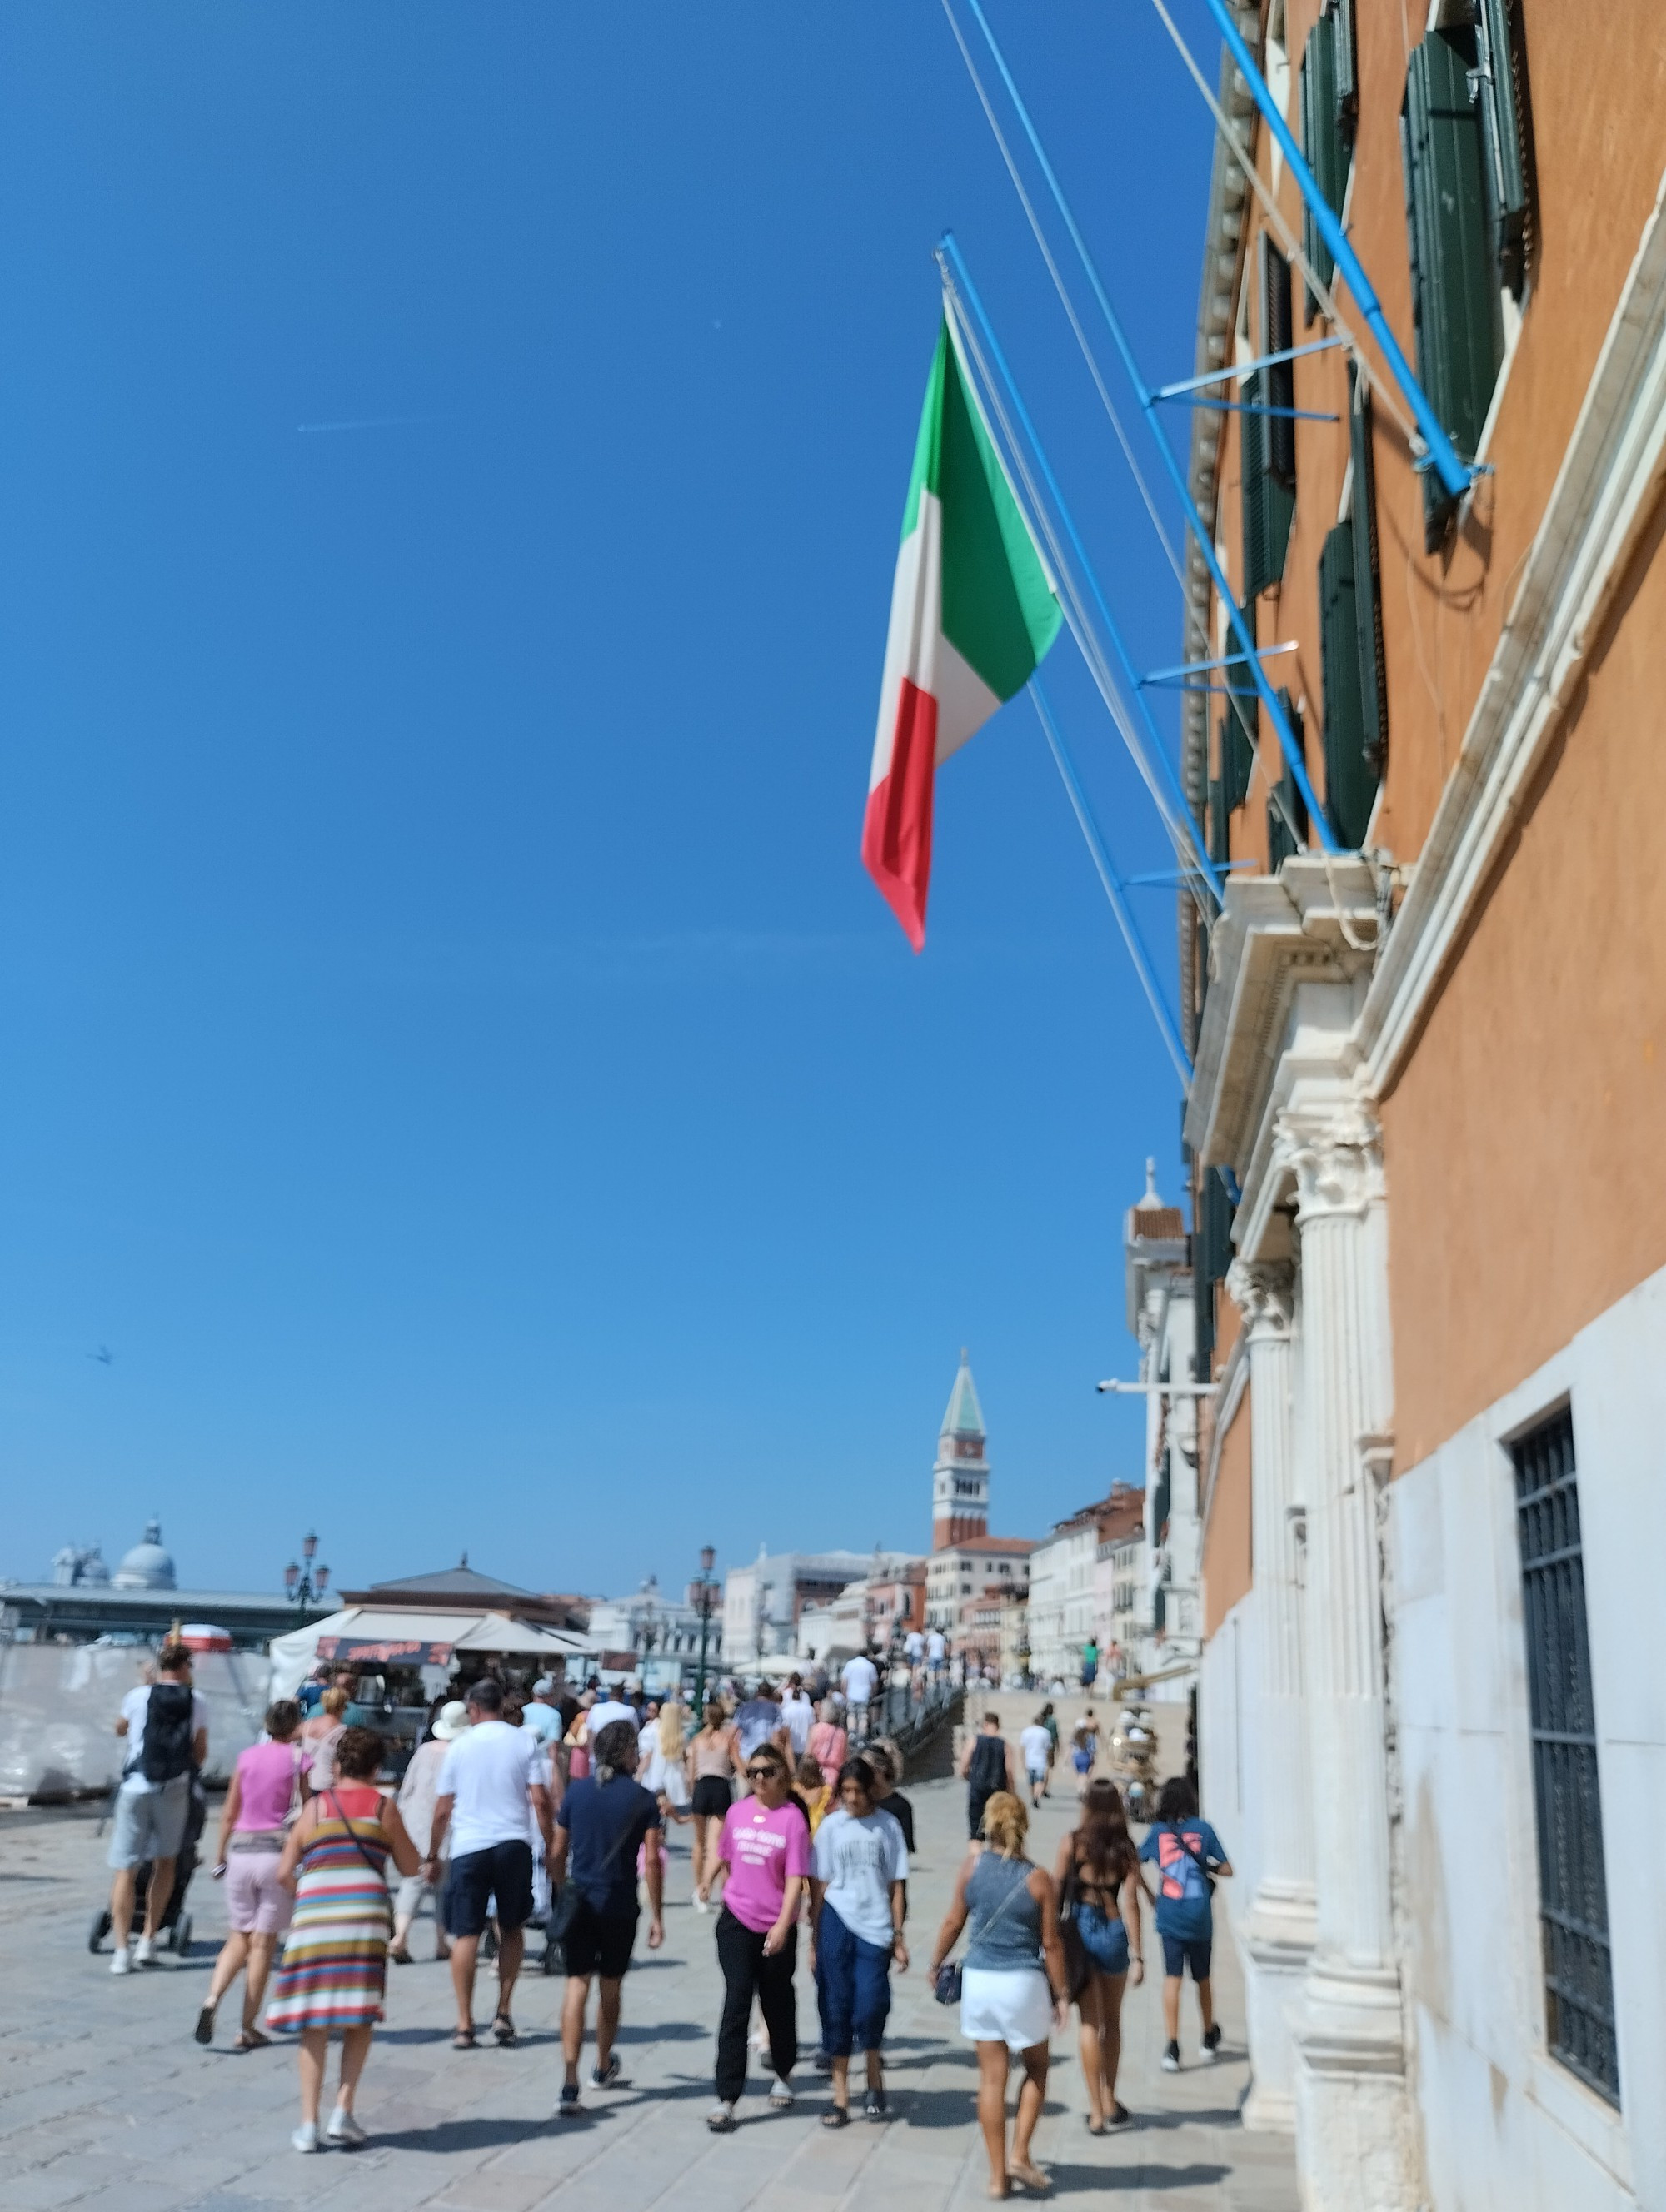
{"x": 454, "y": 1058}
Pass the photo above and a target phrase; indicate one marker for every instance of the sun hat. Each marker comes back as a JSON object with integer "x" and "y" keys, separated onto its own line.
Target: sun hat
{"x": 544, "y": 1684}
{"x": 451, "y": 1720}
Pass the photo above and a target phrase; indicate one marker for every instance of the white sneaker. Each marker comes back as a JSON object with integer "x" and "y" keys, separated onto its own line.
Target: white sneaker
{"x": 700, "y": 1904}
{"x": 122, "y": 1961}
{"x": 144, "y": 1951}
{"x": 305, "y": 2136}
{"x": 346, "y": 2131}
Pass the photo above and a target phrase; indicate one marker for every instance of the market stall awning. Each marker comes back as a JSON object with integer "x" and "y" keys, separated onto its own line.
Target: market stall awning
{"x": 367, "y": 1635}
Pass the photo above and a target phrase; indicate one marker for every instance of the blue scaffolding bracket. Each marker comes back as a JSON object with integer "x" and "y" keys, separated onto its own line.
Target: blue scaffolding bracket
{"x": 1244, "y": 368}
{"x": 1189, "y": 668}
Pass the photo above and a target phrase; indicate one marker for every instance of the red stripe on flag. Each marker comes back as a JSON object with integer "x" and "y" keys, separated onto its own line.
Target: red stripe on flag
{"x": 896, "y": 829}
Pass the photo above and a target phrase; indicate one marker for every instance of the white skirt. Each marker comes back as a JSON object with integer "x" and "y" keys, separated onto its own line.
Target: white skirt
{"x": 1014, "y": 2007}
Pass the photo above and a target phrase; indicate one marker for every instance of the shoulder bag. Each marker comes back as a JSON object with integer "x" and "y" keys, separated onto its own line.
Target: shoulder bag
{"x": 565, "y": 1911}
{"x": 946, "y": 1982}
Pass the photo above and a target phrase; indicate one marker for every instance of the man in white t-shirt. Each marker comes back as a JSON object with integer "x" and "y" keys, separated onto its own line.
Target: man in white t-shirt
{"x": 1035, "y": 1742}
{"x": 914, "y": 1644}
{"x": 491, "y": 1784}
{"x": 860, "y": 1679}
{"x": 937, "y": 1651}
{"x": 153, "y": 1799}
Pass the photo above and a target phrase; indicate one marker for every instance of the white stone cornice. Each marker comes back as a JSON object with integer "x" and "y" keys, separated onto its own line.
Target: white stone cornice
{"x": 1605, "y": 497}
{"x": 1315, "y": 924}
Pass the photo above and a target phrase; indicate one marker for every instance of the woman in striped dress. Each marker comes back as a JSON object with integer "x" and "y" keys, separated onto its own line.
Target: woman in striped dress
{"x": 335, "y": 1962}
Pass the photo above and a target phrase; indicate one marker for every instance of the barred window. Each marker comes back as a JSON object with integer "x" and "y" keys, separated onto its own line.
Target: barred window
{"x": 1573, "y": 1901}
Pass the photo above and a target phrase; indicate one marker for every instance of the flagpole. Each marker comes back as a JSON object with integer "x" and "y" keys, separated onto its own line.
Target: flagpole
{"x": 949, "y": 250}
{"x": 1115, "y": 888}
{"x": 1290, "y": 745}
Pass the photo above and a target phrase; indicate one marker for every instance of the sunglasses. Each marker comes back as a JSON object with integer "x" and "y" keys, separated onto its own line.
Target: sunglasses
{"x": 762, "y": 1773}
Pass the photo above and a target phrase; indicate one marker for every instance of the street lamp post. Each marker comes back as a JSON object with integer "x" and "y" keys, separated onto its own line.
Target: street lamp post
{"x": 703, "y": 1594}
{"x": 306, "y": 1583}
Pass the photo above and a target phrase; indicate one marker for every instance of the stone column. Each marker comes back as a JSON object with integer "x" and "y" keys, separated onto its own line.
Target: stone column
{"x": 1356, "y": 2140}
{"x": 1278, "y": 1930}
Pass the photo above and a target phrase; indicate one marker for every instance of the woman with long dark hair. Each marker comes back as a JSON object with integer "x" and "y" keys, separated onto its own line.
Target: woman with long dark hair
{"x": 1098, "y": 1877}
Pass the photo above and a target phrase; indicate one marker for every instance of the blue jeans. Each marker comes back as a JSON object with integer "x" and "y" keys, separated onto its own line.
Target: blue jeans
{"x": 853, "y": 1987}
{"x": 1105, "y": 1940}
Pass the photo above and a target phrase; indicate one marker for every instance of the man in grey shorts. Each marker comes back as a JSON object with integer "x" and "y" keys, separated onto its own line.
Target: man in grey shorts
{"x": 167, "y": 1740}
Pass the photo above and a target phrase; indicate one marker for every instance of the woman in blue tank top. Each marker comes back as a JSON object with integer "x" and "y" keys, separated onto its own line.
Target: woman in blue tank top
{"x": 1013, "y": 1985}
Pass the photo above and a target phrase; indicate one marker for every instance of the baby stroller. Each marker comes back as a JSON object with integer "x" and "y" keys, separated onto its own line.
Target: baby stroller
{"x": 175, "y": 1933}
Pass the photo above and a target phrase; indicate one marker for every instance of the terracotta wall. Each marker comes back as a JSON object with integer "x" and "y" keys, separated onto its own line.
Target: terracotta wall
{"x": 1227, "y": 1563}
{"x": 1523, "y": 1144}
{"x": 1514, "y": 1140}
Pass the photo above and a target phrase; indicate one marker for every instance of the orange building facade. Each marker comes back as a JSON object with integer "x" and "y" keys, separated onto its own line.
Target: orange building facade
{"x": 1429, "y": 1245}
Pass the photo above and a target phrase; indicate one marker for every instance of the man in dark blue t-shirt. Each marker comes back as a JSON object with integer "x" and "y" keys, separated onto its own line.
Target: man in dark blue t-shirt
{"x": 1189, "y": 1859}
{"x": 603, "y": 1821}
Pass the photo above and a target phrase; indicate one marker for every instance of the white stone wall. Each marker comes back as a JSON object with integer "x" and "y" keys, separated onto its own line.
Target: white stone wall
{"x": 1503, "y": 2124}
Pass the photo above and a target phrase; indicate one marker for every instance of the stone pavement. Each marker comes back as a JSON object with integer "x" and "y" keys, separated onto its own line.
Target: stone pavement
{"x": 106, "y": 2101}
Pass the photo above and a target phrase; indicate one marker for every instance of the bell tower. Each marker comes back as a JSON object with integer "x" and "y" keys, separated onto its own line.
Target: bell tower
{"x": 960, "y": 1479}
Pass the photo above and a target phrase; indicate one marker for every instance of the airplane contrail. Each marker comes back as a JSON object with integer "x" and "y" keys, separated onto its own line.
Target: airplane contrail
{"x": 369, "y": 423}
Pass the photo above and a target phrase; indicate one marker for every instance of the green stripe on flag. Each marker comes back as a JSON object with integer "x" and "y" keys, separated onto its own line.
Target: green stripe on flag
{"x": 999, "y": 609}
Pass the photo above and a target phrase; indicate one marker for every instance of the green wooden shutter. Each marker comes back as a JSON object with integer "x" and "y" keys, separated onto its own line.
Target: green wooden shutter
{"x": 1218, "y": 826}
{"x": 1287, "y": 810}
{"x": 1456, "y": 309}
{"x": 1211, "y": 1255}
{"x": 1241, "y": 726}
{"x": 1340, "y": 13}
{"x": 1367, "y": 587}
{"x": 1269, "y": 506}
{"x": 1277, "y": 335}
{"x": 1503, "y": 103}
{"x": 1350, "y": 786}
{"x": 1323, "y": 142}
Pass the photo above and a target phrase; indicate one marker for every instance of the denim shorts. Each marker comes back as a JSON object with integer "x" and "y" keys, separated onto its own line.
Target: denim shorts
{"x": 1105, "y": 1940}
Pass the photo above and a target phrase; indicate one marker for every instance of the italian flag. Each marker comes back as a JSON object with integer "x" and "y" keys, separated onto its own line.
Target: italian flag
{"x": 972, "y": 612}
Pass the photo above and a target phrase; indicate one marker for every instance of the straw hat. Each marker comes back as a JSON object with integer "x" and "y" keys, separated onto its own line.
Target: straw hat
{"x": 451, "y": 1720}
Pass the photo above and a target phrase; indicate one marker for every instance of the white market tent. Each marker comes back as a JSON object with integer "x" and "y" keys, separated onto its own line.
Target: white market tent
{"x": 371, "y": 1635}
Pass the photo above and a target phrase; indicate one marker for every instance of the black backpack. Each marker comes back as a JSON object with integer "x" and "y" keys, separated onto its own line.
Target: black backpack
{"x": 987, "y": 1771}
{"x": 168, "y": 1732}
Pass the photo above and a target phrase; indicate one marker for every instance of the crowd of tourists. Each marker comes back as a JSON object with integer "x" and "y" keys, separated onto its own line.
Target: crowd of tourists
{"x": 551, "y": 1810}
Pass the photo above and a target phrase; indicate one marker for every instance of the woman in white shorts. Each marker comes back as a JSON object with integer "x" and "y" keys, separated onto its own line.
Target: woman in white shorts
{"x": 1013, "y": 1986}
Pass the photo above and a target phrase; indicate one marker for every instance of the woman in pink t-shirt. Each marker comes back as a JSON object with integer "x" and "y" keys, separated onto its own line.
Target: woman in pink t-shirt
{"x": 267, "y": 1790}
{"x": 765, "y": 1851}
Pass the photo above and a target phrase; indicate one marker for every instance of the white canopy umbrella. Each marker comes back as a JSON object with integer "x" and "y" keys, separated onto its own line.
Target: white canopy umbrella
{"x": 368, "y": 1637}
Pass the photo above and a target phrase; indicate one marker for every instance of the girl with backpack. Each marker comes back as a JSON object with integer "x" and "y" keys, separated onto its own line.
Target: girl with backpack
{"x": 1189, "y": 1860}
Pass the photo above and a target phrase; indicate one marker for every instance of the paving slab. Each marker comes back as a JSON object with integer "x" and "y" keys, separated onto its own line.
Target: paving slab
{"x": 105, "y": 2099}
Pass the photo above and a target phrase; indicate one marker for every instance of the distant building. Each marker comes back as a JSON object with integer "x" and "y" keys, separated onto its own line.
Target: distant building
{"x": 652, "y": 1630}
{"x": 763, "y": 1600}
{"x": 965, "y": 1558}
{"x": 1122, "y": 1584}
{"x": 463, "y": 1588}
{"x": 140, "y": 1602}
{"x": 1162, "y": 1318}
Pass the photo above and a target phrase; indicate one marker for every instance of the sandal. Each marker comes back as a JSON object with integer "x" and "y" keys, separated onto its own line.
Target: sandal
{"x": 250, "y": 2038}
{"x": 1095, "y": 2127}
{"x": 464, "y": 2039}
{"x": 203, "y": 2031}
{"x": 503, "y": 2031}
{"x": 838, "y": 2118}
{"x": 401, "y": 1958}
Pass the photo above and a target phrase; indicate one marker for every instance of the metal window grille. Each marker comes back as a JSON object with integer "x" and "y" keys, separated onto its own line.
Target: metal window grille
{"x": 1573, "y": 1902}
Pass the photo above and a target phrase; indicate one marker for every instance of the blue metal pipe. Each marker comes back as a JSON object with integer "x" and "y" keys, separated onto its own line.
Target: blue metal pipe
{"x": 1317, "y": 819}
{"x": 1113, "y": 884}
{"x": 1455, "y": 474}
{"x": 950, "y": 248}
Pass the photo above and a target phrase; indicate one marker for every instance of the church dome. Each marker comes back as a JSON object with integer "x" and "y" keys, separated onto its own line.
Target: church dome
{"x": 147, "y": 1566}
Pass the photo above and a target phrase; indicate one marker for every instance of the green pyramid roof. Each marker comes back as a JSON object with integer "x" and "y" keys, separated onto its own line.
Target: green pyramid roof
{"x": 965, "y": 1416}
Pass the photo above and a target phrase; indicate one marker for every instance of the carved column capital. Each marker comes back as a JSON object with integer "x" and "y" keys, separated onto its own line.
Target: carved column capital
{"x": 1337, "y": 1161}
{"x": 1263, "y": 1290}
